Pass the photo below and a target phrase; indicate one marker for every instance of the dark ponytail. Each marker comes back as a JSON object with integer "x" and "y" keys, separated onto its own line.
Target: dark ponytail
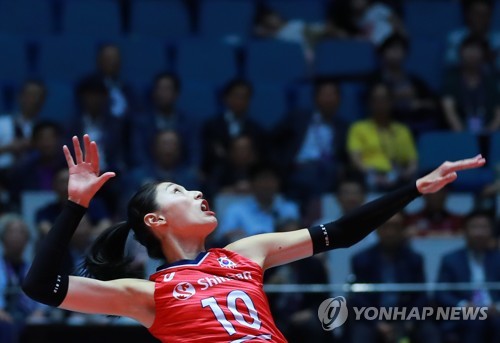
{"x": 106, "y": 259}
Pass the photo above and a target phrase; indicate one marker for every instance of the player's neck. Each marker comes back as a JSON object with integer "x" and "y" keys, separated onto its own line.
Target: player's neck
{"x": 177, "y": 248}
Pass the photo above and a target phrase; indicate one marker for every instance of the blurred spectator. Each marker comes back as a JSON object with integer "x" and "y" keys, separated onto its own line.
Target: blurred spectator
{"x": 478, "y": 262}
{"x": 381, "y": 148}
{"x": 233, "y": 122}
{"x": 15, "y": 306}
{"x": 258, "y": 213}
{"x": 234, "y": 175}
{"x": 37, "y": 170}
{"x": 95, "y": 119}
{"x": 434, "y": 219}
{"x": 270, "y": 24}
{"x": 108, "y": 65}
{"x": 351, "y": 194}
{"x": 478, "y": 20}
{"x": 470, "y": 95}
{"x": 392, "y": 260}
{"x": 311, "y": 144}
{"x": 97, "y": 213}
{"x": 296, "y": 313}
{"x": 16, "y": 129}
{"x": 366, "y": 19}
{"x": 167, "y": 165}
{"x": 414, "y": 103}
{"x": 164, "y": 114}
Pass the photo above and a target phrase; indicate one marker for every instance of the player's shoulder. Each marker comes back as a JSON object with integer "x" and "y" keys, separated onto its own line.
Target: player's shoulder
{"x": 227, "y": 257}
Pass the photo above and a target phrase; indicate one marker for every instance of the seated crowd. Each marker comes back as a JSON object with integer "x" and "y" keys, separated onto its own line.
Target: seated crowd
{"x": 275, "y": 179}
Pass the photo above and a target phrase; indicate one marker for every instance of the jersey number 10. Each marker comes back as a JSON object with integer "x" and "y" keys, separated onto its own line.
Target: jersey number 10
{"x": 232, "y": 297}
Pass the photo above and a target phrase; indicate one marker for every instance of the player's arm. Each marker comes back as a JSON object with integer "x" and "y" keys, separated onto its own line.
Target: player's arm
{"x": 274, "y": 249}
{"x": 46, "y": 282}
{"x": 124, "y": 297}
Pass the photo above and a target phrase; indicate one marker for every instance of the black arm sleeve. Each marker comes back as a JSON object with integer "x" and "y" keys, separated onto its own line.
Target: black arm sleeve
{"x": 44, "y": 282}
{"x": 356, "y": 225}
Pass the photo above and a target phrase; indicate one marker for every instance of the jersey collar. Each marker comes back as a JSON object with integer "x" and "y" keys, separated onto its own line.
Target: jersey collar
{"x": 185, "y": 262}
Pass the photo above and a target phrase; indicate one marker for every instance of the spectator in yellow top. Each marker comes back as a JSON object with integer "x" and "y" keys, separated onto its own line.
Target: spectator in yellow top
{"x": 381, "y": 148}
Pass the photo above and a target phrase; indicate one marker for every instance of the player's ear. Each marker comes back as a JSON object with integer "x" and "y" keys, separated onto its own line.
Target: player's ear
{"x": 154, "y": 220}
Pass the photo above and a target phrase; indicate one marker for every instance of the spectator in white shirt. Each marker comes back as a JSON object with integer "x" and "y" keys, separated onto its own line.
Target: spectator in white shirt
{"x": 16, "y": 128}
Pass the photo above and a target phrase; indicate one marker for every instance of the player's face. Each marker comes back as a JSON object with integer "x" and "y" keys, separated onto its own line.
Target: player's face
{"x": 186, "y": 212}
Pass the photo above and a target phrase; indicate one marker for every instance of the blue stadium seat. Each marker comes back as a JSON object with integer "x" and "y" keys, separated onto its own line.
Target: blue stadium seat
{"x": 274, "y": 61}
{"x": 269, "y": 104}
{"x": 206, "y": 60}
{"x": 351, "y": 105}
{"x": 436, "y": 147}
{"x": 344, "y": 57}
{"x": 91, "y": 17}
{"x": 66, "y": 58}
{"x": 166, "y": 19}
{"x": 425, "y": 59}
{"x": 143, "y": 58}
{"x": 199, "y": 100}
{"x": 432, "y": 18}
{"x": 219, "y": 18}
{"x": 33, "y": 17}
{"x": 494, "y": 154}
{"x": 310, "y": 11}
{"x": 14, "y": 64}
{"x": 60, "y": 102}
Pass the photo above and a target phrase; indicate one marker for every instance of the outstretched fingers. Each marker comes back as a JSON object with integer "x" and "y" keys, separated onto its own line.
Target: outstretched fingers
{"x": 78, "y": 150}
{"x": 94, "y": 156}
{"x": 469, "y": 163}
{"x": 450, "y": 177}
{"x": 86, "y": 144}
{"x": 69, "y": 158}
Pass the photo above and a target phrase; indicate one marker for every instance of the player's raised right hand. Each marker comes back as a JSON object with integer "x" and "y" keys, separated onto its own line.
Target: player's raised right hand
{"x": 447, "y": 173}
{"x": 84, "y": 179}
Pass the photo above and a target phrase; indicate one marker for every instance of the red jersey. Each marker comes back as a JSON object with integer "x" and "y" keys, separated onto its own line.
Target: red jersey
{"x": 218, "y": 297}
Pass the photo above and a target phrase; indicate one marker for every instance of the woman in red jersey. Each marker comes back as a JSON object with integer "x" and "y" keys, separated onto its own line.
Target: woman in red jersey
{"x": 199, "y": 295}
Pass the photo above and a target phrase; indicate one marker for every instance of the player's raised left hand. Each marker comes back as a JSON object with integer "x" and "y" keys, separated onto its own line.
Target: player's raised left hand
{"x": 84, "y": 174}
{"x": 447, "y": 173}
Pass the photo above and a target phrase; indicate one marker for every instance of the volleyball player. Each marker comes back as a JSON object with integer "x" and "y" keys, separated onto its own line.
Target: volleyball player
{"x": 199, "y": 295}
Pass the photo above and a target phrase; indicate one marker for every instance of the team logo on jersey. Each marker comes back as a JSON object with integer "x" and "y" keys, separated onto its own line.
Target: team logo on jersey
{"x": 226, "y": 262}
{"x": 183, "y": 291}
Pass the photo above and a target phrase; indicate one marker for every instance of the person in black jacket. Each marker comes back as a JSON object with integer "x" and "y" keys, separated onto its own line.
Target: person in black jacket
{"x": 391, "y": 260}
{"x": 478, "y": 262}
{"x": 218, "y": 132}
